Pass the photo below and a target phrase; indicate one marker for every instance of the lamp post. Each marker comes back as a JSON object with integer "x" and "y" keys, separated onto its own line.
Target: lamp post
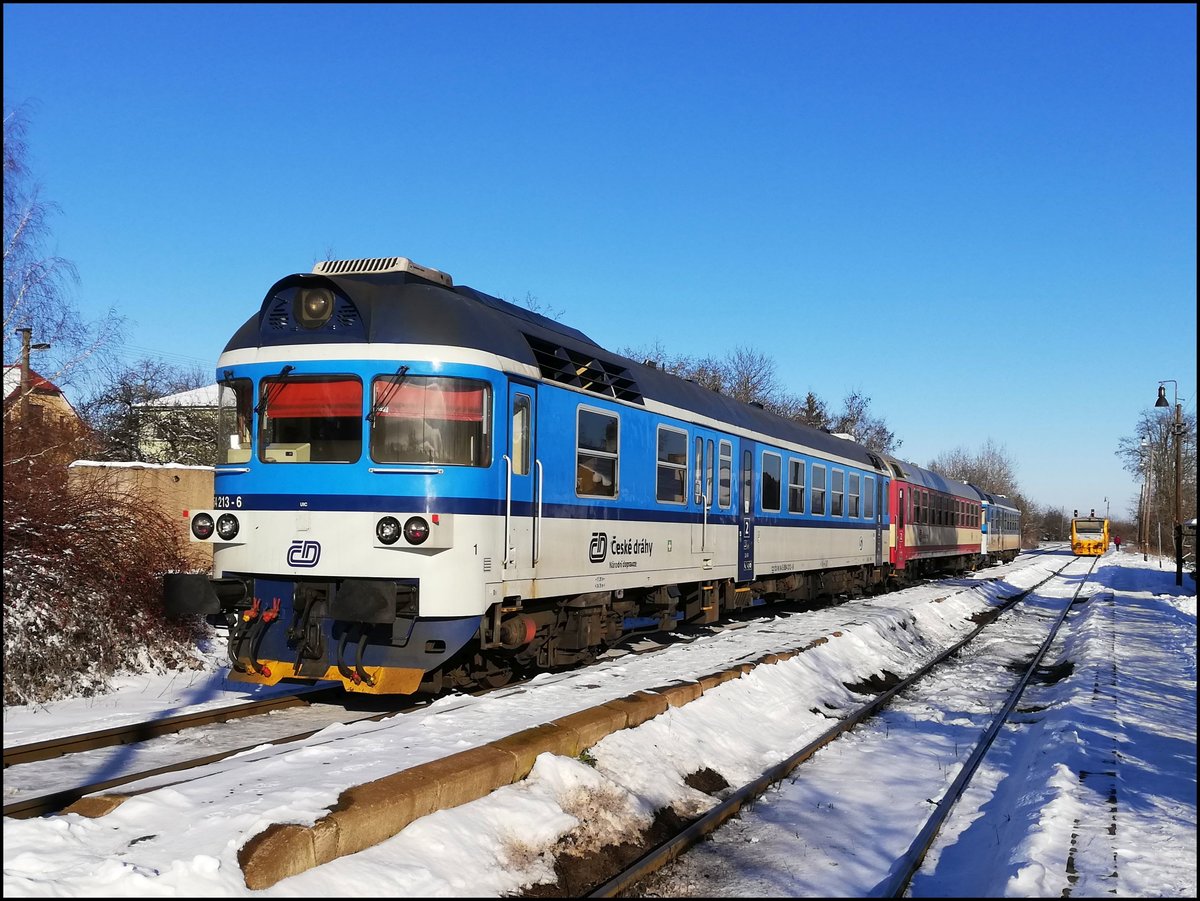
{"x": 1144, "y": 520}
{"x": 1178, "y": 430}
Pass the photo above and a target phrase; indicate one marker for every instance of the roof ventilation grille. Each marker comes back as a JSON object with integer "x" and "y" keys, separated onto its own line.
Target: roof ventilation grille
{"x": 378, "y": 265}
{"x": 583, "y": 370}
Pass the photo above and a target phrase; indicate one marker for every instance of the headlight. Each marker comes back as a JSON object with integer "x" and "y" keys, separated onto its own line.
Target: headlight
{"x": 387, "y": 530}
{"x": 202, "y": 526}
{"x": 313, "y": 306}
{"x": 416, "y": 530}
{"x": 227, "y": 526}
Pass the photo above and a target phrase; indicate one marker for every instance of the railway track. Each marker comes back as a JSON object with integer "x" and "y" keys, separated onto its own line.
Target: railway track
{"x": 54, "y": 801}
{"x": 134, "y": 732}
{"x": 626, "y": 882}
{"x": 51, "y": 802}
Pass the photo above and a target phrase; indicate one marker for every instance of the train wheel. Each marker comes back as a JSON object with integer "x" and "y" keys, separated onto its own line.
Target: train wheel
{"x": 489, "y": 672}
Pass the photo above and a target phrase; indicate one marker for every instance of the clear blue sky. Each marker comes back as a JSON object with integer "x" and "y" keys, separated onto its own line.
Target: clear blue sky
{"x": 981, "y": 217}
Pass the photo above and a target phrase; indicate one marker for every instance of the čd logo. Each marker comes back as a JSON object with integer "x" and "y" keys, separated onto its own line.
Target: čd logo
{"x": 598, "y": 549}
{"x": 304, "y": 553}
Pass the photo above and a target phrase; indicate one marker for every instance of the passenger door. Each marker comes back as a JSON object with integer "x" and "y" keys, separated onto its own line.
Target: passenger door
{"x": 703, "y": 490}
{"x": 880, "y": 494}
{"x": 523, "y": 484}
{"x": 745, "y": 501}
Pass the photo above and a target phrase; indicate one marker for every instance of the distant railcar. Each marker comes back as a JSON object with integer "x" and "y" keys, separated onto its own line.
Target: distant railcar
{"x": 1089, "y": 536}
{"x": 1001, "y": 528}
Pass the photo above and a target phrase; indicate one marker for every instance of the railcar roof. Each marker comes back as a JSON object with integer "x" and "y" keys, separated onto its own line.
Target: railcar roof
{"x": 927, "y": 478}
{"x": 402, "y": 308}
{"x": 999, "y": 500}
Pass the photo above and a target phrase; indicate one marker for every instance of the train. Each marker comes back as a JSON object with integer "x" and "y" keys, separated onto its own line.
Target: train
{"x": 422, "y": 487}
{"x": 1089, "y": 535}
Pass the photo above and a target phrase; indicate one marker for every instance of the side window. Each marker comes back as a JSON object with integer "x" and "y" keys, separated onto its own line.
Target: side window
{"x": 795, "y": 486}
{"x": 672, "y": 465}
{"x": 520, "y": 435}
{"x": 916, "y": 499}
{"x": 772, "y": 470}
{"x": 698, "y": 490}
{"x": 725, "y": 475}
{"x": 234, "y": 410}
{"x": 854, "y": 496}
{"x": 837, "y": 492}
{"x": 869, "y": 497}
{"x": 596, "y": 445}
{"x": 818, "y": 490}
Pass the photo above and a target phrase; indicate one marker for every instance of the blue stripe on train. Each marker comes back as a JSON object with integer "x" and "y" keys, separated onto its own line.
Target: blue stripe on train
{"x": 489, "y": 507}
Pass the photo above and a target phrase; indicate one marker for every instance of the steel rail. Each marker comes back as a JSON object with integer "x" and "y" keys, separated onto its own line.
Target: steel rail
{"x": 906, "y": 867}
{"x": 134, "y": 732}
{"x": 671, "y": 848}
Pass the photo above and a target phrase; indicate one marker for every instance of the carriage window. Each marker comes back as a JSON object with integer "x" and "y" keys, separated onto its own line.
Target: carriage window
{"x": 818, "y": 490}
{"x": 698, "y": 490}
{"x": 795, "y": 486}
{"x": 869, "y": 497}
{"x": 772, "y": 470}
{"x": 596, "y": 454}
{"x": 672, "y": 465}
{"x": 235, "y": 403}
{"x": 724, "y": 491}
{"x": 839, "y": 483}
{"x": 520, "y": 435}
{"x": 854, "y": 495}
{"x": 916, "y": 499}
{"x": 310, "y": 420}
{"x": 434, "y": 419}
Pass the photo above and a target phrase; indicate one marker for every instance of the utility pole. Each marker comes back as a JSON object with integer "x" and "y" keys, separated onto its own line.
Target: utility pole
{"x": 26, "y": 347}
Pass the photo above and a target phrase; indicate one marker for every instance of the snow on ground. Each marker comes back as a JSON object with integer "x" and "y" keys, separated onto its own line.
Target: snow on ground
{"x": 1120, "y": 726}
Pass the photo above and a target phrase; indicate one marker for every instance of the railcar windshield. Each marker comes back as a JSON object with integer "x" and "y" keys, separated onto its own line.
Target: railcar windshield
{"x": 1089, "y": 528}
{"x": 431, "y": 419}
{"x": 305, "y": 419}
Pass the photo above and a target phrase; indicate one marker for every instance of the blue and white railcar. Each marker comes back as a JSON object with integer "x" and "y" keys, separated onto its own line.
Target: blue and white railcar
{"x": 1001, "y": 528}
{"x": 421, "y": 485}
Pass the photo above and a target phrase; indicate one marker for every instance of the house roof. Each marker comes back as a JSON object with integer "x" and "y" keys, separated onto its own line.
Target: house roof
{"x": 196, "y": 397}
{"x": 12, "y": 382}
{"x": 38, "y": 383}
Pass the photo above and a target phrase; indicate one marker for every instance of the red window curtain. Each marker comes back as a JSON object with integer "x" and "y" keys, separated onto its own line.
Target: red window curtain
{"x": 295, "y": 400}
{"x": 420, "y": 401}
